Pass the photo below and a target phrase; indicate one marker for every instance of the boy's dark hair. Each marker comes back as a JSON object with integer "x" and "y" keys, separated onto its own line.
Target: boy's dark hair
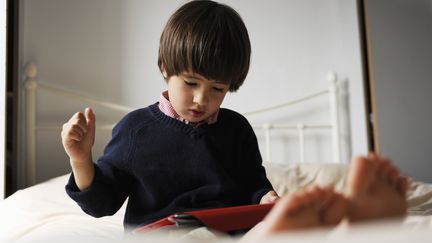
{"x": 206, "y": 38}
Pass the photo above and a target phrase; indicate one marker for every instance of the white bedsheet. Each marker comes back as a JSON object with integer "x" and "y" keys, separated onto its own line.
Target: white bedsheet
{"x": 45, "y": 211}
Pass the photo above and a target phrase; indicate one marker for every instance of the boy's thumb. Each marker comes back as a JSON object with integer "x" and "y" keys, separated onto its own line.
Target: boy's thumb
{"x": 90, "y": 117}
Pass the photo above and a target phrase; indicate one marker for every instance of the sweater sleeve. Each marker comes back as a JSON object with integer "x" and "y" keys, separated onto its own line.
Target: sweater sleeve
{"x": 111, "y": 182}
{"x": 254, "y": 176}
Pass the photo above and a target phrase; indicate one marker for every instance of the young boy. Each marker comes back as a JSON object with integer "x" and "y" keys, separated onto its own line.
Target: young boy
{"x": 183, "y": 152}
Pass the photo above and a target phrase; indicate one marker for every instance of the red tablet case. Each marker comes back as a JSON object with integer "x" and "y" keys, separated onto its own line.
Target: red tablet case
{"x": 221, "y": 219}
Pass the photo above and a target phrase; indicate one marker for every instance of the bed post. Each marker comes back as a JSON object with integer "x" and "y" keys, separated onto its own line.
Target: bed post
{"x": 267, "y": 127}
{"x": 334, "y": 109}
{"x": 300, "y": 129}
{"x": 29, "y": 166}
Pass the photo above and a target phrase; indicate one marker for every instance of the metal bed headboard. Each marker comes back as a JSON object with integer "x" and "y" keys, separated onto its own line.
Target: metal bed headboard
{"x": 333, "y": 92}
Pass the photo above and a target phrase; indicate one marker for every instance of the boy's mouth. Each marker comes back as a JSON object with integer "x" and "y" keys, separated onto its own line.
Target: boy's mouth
{"x": 196, "y": 113}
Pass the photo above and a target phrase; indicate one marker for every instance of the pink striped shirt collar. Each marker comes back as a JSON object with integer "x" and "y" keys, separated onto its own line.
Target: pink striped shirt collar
{"x": 166, "y": 108}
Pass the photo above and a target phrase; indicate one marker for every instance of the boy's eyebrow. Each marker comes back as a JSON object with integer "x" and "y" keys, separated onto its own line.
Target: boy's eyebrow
{"x": 220, "y": 82}
{"x": 192, "y": 76}
{"x": 201, "y": 77}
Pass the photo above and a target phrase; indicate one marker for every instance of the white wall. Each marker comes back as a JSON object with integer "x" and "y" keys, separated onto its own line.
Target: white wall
{"x": 108, "y": 49}
{"x": 401, "y": 35}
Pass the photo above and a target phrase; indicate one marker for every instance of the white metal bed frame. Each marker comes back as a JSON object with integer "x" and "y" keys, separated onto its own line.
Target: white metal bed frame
{"x": 28, "y": 168}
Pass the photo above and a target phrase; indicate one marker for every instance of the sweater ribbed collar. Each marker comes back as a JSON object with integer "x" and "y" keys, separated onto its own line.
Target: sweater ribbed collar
{"x": 174, "y": 123}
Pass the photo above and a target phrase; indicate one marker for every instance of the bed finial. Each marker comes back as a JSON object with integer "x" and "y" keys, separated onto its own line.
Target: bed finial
{"x": 30, "y": 70}
{"x": 332, "y": 76}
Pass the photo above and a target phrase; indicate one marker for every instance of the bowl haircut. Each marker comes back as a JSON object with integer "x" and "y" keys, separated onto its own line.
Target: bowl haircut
{"x": 206, "y": 38}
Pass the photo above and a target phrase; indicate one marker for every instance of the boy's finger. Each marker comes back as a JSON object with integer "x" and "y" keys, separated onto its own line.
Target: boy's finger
{"x": 273, "y": 193}
{"x": 274, "y": 198}
{"x": 82, "y": 125}
{"x": 77, "y": 126}
{"x": 76, "y": 129}
{"x": 80, "y": 120}
{"x": 68, "y": 128}
{"x": 73, "y": 135}
{"x": 76, "y": 137}
{"x": 77, "y": 116}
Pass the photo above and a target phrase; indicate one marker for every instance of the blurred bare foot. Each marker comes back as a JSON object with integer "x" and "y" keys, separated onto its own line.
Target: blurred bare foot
{"x": 306, "y": 209}
{"x": 375, "y": 189}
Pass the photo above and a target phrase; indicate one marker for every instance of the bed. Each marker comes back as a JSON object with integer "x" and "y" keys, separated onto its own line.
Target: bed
{"x": 44, "y": 213}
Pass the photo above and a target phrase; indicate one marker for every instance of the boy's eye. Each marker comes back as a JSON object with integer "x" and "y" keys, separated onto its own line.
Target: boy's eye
{"x": 218, "y": 89}
{"x": 189, "y": 83}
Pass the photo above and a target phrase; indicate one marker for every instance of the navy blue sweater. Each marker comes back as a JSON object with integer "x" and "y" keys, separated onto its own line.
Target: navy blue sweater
{"x": 165, "y": 166}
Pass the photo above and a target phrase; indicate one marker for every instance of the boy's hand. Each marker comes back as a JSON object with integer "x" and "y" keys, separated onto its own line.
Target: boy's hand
{"x": 270, "y": 197}
{"x": 78, "y": 137}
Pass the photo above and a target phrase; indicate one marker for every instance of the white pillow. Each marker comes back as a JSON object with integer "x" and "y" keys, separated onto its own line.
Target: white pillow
{"x": 289, "y": 178}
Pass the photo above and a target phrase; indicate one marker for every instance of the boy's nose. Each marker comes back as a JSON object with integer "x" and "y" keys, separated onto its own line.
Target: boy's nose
{"x": 200, "y": 97}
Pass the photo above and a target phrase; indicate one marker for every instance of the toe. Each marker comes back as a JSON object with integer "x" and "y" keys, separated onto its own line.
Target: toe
{"x": 402, "y": 185}
{"x": 360, "y": 175}
{"x": 334, "y": 210}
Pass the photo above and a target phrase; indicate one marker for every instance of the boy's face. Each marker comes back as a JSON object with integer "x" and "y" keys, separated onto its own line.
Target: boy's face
{"x": 195, "y": 98}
